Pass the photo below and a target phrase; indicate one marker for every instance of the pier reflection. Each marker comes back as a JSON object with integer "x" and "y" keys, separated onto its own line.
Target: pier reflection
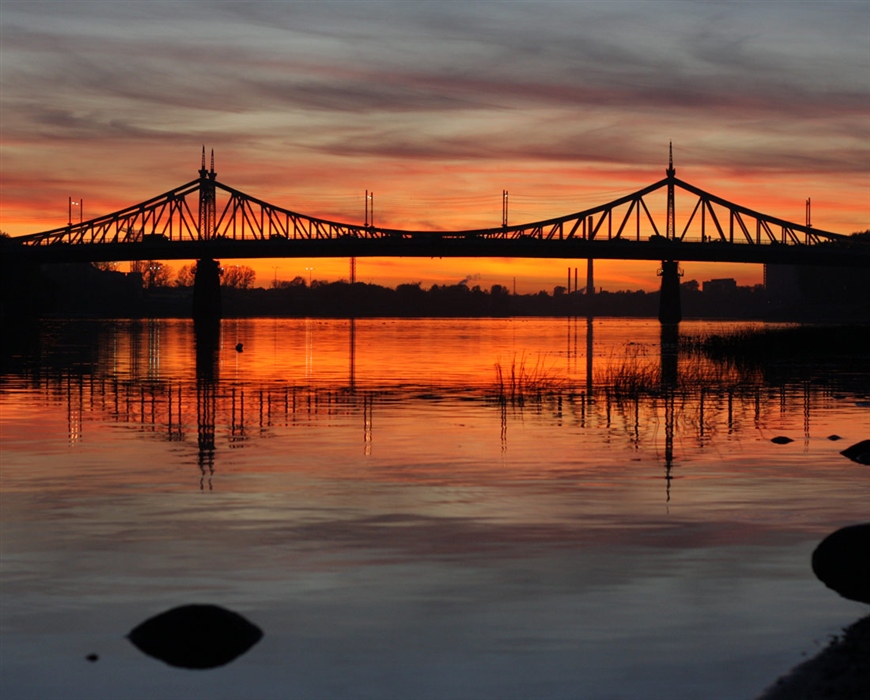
{"x": 207, "y": 374}
{"x": 669, "y": 348}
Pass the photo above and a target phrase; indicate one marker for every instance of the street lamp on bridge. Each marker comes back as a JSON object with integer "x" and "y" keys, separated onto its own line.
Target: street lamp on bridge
{"x": 80, "y": 205}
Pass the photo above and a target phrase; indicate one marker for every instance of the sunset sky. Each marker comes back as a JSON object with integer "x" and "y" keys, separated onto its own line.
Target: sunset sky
{"x": 437, "y": 107}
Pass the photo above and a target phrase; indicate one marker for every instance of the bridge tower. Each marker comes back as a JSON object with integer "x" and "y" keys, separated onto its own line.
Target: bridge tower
{"x": 207, "y": 282}
{"x": 670, "y": 311}
{"x": 206, "y": 199}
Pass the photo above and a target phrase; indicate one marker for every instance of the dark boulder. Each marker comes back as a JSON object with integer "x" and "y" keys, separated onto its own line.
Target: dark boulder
{"x": 842, "y": 562}
{"x": 196, "y": 636}
{"x": 859, "y": 452}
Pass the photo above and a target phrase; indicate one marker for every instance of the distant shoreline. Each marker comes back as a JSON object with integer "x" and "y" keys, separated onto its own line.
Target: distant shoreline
{"x": 70, "y": 291}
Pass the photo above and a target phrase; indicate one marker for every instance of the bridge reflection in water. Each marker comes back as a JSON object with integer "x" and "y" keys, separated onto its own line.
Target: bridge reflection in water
{"x": 211, "y": 414}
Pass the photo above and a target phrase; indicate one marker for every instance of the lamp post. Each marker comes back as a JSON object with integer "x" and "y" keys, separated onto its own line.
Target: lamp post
{"x": 310, "y": 270}
{"x": 80, "y": 205}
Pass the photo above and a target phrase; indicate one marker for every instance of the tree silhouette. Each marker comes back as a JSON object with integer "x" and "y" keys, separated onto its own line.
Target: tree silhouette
{"x": 238, "y": 277}
{"x": 185, "y": 276}
{"x": 154, "y": 273}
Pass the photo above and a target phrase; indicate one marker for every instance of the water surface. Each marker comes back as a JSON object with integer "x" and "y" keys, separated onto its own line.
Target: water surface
{"x": 404, "y": 520}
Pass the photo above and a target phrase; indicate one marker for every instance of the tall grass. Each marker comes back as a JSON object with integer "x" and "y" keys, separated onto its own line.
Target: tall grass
{"x": 520, "y": 381}
{"x": 638, "y": 373}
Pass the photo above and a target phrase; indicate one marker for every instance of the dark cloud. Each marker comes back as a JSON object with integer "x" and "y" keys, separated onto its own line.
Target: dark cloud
{"x": 432, "y": 57}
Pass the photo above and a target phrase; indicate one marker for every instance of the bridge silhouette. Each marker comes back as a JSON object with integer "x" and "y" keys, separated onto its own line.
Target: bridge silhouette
{"x": 207, "y": 220}
{"x": 189, "y": 222}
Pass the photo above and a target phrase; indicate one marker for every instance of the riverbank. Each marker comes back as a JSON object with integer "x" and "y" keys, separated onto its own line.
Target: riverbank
{"x": 840, "y": 672}
{"x": 81, "y": 290}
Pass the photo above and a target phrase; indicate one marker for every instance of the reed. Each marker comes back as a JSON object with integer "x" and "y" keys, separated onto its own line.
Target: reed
{"x": 637, "y": 373}
{"x": 521, "y": 381}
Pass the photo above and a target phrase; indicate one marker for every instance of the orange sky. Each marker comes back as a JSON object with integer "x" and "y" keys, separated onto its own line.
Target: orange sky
{"x": 437, "y": 108}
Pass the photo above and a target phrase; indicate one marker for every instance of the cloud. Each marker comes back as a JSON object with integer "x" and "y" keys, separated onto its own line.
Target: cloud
{"x": 343, "y": 90}
{"x": 439, "y": 58}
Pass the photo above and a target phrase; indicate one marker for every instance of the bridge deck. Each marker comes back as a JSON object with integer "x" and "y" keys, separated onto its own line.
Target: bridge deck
{"x": 830, "y": 254}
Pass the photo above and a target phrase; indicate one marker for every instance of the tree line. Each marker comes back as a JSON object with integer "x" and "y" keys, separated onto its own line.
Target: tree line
{"x": 156, "y": 274}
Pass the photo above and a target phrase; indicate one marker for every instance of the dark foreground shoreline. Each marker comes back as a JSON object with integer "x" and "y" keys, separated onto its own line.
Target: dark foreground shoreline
{"x": 839, "y": 672}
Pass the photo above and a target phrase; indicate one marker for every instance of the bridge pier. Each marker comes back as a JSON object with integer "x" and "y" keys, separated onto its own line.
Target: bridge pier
{"x": 207, "y": 295}
{"x": 670, "y": 311}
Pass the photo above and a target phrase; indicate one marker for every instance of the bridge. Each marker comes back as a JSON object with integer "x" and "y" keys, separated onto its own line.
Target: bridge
{"x": 206, "y": 220}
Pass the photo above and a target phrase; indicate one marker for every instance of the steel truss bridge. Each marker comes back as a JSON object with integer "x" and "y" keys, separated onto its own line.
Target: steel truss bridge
{"x": 205, "y": 219}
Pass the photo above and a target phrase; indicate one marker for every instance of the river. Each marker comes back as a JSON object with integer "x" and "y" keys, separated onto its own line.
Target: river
{"x": 419, "y": 508}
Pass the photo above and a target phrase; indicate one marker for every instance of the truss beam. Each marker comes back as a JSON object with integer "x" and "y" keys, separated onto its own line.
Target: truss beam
{"x": 206, "y": 210}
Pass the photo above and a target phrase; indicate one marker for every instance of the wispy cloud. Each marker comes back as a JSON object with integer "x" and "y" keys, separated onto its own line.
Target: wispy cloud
{"x": 750, "y": 87}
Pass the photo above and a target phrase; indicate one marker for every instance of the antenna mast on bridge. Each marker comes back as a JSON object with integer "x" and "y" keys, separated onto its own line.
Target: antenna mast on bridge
{"x": 206, "y": 199}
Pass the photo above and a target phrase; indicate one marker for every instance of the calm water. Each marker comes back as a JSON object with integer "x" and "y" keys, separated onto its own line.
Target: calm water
{"x": 403, "y": 524}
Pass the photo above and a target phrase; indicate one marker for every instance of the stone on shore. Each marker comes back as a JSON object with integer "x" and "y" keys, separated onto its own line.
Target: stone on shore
{"x": 859, "y": 452}
{"x": 842, "y": 562}
{"x": 196, "y": 636}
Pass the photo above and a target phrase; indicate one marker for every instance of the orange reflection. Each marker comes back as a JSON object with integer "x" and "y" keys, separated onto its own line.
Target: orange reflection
{"x": 423, "y": 399}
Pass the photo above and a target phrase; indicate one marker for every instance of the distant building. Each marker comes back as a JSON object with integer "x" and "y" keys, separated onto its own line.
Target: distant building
{"x": 721, "y": 286}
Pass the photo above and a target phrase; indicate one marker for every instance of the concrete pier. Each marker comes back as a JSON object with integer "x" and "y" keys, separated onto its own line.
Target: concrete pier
{"x": 670, "y": 311}
{"x": 207, "y": 294}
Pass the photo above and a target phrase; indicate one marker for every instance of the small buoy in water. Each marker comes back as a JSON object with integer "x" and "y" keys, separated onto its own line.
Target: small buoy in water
{"x": 239, "y": 347}
{"x": 92, "y": 657}
{"x": 834, "y": 437}
{"x": 196, "y": 636}
{"x": 781, "y": 440}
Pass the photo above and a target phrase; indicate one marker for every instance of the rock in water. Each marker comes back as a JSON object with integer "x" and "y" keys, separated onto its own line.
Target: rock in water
{"x": 859, "y": 452}
{"x": 842, "y": 562}
{"x": 781, "y": 440}
{"x": 196, "y": 636}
